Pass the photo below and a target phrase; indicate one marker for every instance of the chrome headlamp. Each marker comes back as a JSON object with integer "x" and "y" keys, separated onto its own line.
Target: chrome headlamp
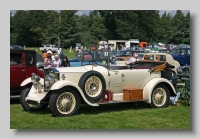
{"x": 49, "y": 79}
{"x": 35, "y": 78}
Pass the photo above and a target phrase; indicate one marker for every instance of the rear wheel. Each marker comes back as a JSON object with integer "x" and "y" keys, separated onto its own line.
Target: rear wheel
{"x": 160, "y": 96}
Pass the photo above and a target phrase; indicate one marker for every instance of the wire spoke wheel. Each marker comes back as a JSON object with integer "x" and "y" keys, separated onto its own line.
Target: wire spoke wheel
{"x": 93, "y": 86}
{"x": 66, "y": 102}
{"x": 159, "y": 97}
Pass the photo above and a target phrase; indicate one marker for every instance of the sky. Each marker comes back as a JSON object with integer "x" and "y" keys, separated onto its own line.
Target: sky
{"x": 172, "y": 12}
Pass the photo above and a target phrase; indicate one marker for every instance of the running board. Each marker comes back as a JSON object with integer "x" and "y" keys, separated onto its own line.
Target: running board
{"x": 119, "y": 101}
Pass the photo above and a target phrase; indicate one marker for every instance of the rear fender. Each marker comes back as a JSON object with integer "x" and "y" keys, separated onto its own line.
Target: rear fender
{"x": 60, "y": 84}
{"x": 147, "y": 91}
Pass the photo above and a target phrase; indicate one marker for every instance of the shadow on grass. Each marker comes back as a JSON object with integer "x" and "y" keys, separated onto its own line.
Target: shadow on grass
{"x": 86, "y": 109}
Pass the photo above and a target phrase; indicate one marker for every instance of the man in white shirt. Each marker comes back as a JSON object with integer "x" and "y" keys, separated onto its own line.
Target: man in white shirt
{"x": 57, "y": 61}
{"x": 134, "y": 58}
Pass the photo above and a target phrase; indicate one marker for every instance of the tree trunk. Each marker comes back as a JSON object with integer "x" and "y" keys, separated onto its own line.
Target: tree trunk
{"x": 59, "y": 40}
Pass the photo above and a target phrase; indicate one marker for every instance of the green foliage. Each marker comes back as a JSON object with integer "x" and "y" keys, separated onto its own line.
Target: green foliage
{"x": 66, "y": 28}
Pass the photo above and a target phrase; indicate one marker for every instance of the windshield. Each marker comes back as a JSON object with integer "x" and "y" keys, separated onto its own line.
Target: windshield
{"x": 100, "y": 57}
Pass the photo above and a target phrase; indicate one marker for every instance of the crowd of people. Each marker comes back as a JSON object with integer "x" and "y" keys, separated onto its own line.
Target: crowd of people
{"x": 55, "y": 60}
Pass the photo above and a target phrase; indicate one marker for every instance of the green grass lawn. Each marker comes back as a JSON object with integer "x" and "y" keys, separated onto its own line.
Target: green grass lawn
{"x": 65, "y": 51}
{"x": 134, "y": 116}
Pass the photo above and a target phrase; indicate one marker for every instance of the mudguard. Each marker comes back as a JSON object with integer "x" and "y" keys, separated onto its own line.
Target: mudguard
{"x": 59, "y": 84}
{"x": 147, "y": 91}
{"x": 28, "y": 80}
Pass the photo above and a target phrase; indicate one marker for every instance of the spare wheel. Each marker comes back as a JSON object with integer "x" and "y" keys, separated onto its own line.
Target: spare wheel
{"x": 93, "y": 86}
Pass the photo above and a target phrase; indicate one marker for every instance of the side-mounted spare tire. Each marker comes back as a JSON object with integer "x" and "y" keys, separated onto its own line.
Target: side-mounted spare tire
{"x": 93, "y": 86}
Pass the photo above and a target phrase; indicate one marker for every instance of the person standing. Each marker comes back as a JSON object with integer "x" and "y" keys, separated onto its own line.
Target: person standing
{"x": 44, "y": 54}
{"x": 48, "y": 63}
{"x": 77, "y": 49}
{"x": 65, "y": 62}
{"x": 57, "y": 61}
{"x": 70, "y": 49}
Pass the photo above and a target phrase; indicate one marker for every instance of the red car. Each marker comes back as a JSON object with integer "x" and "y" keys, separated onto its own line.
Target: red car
{"x": 93, "y": 47}
{"x": 22, "y": 64}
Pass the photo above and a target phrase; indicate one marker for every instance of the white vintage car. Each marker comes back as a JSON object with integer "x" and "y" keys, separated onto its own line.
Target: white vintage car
{"x": 64, "y": 89}
{"x": 163, "y": 57}
{"x": 151, "y": 56}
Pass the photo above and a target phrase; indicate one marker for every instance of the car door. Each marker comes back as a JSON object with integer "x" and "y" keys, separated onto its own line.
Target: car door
{"x": 17, "y": 70}
{"x": 115, "y": 78}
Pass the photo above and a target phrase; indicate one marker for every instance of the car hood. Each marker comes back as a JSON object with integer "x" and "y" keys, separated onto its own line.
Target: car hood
{"x": 70, "y": 69}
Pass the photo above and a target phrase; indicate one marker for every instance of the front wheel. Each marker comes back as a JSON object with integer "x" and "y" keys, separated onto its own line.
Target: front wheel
{"x": 160, "y": 96}
{"x": 64, "y": 102}
{"x": 30, "y": 107}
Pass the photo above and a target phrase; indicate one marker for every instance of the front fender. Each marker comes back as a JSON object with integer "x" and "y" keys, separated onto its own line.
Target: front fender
{"x": 61, "y": 84}
{"x": 147, "y": 91}
{"x": 28, "y": 80}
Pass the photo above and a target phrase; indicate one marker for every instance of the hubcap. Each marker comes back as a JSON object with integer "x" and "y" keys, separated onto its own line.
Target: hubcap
{"x": 159, "y": 97}
{"x": 93, "y": 86}
{"x": 66, "y": 102}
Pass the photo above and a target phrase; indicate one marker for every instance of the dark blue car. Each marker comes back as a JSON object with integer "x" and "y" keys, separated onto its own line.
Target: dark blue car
{"x": 182, "y": 55}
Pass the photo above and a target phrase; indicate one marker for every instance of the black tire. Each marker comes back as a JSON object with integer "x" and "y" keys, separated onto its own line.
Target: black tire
{"x": 160, "y": 96}
{"x": 99, "y": 88}
{"x": 30, "y": 107}
{"x": 63, "y": 98}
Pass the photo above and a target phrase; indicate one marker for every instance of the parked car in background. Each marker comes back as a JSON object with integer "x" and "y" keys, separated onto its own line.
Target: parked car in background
{"x": 16, "y": 47}
{"x": 47, "y": 47}
{"x": 163, "y": 57}
{"x": 182, "y": 55}
{"x": 11, "y": 47}
{"x": 64, "y": 89}
{"x": 124, "y": 55}
{"x": 22, "y": 64}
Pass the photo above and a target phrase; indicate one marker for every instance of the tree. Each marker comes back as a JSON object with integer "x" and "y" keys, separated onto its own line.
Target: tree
{"x": 60, "y": 26}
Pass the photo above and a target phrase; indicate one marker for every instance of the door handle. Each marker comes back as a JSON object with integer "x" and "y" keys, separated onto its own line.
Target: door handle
{"x": 23, "y": 71}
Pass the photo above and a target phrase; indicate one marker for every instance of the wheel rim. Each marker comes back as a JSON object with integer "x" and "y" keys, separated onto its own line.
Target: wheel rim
{"x": 159, "y": 97}
{"x": 93, "y": 86}
{"x": 66, "y": 103}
